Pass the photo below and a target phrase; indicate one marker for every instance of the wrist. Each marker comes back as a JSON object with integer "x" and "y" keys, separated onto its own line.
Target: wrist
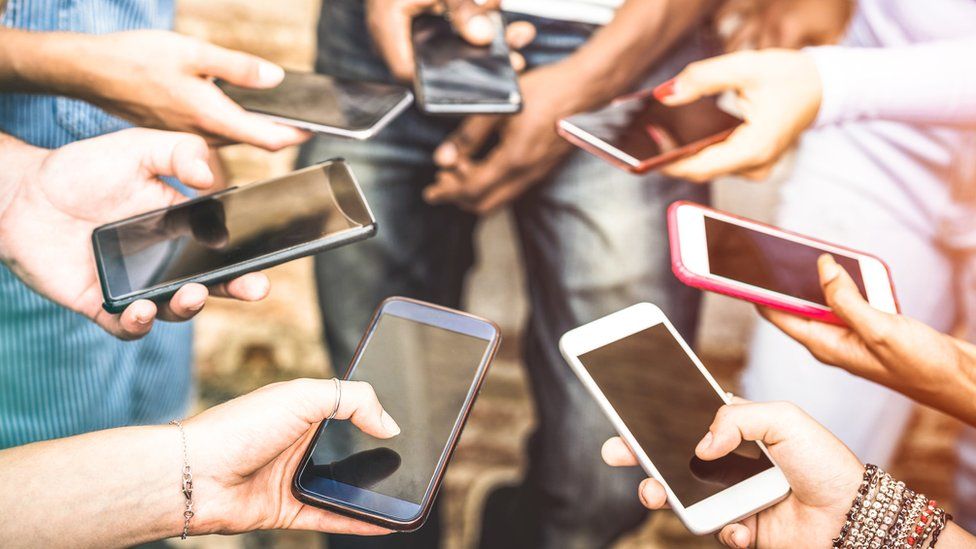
{"x": 49, "y": 62}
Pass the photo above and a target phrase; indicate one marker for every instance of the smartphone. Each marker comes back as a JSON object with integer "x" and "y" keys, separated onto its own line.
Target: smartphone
{"x": 426, "y": 364}
{"x": 662, "y": 400}
{"x": 325, "y": 104}
{"x": 749, "y": 260}
{"x": 455, "y": 77}
{"x": 224, "y": 235}
{"x": 638, "y": 133}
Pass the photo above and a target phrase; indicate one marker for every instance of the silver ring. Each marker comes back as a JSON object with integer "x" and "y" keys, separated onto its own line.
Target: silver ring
{"x": 335, "y": 410}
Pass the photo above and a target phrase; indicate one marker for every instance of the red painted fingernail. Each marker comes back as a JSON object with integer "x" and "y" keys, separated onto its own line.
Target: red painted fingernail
{"x": 664, "y": 90}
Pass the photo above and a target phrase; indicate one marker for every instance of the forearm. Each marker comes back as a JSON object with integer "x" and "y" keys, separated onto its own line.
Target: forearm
{"x": 620, "y": 54}
{"x": 111, "y": 488}
{"x": 44, "y": 62}
{"x": 922, "y": 83}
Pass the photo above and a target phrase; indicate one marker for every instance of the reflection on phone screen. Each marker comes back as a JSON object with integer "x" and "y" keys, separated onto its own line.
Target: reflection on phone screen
{"x": 452, "y": 71}
{"x": 422, "y": 374}
{"x": 322, "y": 100}
{"x": 643, "y": 128}
{"x": 668, "y": 405}
{"x": 769, "y": 262}
{"x": 230, "y": 228}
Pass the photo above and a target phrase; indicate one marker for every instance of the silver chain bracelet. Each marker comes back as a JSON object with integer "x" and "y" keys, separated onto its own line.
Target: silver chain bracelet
{"x": 187, "y": 481}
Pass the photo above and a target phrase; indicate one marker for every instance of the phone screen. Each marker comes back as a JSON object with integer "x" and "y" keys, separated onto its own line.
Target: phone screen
{"x": 229, "y": 228}
{"x": 321, "y": 100}
{"x": 643, "y": 127}
{"x": 422, "y": 374}
{"x": 769, "y": 262}
{"x": 450, "y": 71}
{"x": 668, "y": 405}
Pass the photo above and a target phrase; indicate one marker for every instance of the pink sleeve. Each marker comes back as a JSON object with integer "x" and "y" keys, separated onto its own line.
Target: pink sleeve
{"x": 928, "y": 83}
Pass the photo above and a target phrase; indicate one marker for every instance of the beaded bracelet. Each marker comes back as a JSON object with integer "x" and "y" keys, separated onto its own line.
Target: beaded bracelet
{"x": 885, "y": 514}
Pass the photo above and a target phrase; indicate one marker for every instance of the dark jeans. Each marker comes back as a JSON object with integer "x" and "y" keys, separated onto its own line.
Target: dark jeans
{"x": 593, "y": 238}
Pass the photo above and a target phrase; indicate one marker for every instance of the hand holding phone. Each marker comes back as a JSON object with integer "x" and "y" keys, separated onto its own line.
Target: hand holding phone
{"x": 325, "y": 104}
{"x": 426, "y": 364}
{"x": 661, "y": 400}
{"x": 822, "y": 472}
{"x": 455, "y": 77}
{"x": 218, "y": 237}
{"x": 638, "y": 133}
{"x": 731, "y": 255}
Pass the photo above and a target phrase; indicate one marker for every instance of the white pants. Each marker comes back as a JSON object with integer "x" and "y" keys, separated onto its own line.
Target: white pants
{"x": 843, "y": 194}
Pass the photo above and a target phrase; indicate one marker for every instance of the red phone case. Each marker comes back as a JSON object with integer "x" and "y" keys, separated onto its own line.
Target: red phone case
{"x": 648, "y": 164}
{"x": 718, "y": 286}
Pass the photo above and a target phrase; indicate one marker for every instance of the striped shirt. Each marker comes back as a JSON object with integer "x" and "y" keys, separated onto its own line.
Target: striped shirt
{"x": 60, "y": 374}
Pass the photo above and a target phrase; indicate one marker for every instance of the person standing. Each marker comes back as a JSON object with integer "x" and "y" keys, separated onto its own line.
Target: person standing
{"x": 592, "y": 236}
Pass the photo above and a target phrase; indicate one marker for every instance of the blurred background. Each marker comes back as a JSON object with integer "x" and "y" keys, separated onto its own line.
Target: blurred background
{"x": 242, "y": 346}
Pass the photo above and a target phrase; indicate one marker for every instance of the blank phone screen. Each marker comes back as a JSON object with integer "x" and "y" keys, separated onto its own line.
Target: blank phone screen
{"x": 322, "y": 100}
{"x": 668, "y": 405}
{"x": 769, "y": 262}
{"x": 230, "y": 228}
{"x": 422, "y": 375}
{"x": 452, "y": 71}
{"x": 643, "y": 127}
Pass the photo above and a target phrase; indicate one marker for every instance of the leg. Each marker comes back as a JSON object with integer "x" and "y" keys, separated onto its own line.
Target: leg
{"x": 594, "y": 241}
{"x": 832, "y": 194}
{"x": 419, "y": 251}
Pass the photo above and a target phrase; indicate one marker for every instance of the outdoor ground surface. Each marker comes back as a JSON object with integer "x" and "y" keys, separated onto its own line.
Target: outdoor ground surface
{"x": 242, "y": 346}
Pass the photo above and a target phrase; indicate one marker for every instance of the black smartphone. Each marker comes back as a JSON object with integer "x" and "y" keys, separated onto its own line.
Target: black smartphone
{"x": 221, "y": 236}
{"x": 325, "y": 104}
{"x": 455, "y": 77}
{"x": 638, "y": 133}
{"x": 426, "y": 364}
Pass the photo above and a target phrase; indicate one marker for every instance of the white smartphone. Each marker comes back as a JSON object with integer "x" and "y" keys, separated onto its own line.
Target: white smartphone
{"x": 661, "y": 400}
{"x": 746, "y": 259}
{"x": 324, "y": 104}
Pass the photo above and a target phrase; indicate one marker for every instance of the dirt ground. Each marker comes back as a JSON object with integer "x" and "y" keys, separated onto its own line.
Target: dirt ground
{"x": 240, "y": 347}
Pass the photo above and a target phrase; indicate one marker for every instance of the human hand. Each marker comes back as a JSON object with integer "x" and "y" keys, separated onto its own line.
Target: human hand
{"x": 528, "y": 146}
{"x": 893, "y": 350}
{"x": 794, "y": 24}
{"x": 824, "y": 475}
{"x": 389, "y": 24}
{"x": 160, "y": 79}
{"x": 45, "y": 229}
{"x": 779, "y": 94}
{"x": 245, "y": 453}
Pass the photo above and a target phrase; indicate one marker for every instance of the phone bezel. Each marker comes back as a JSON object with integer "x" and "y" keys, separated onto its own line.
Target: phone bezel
{"x": 511, "y": 106}
{"x": 594, "y": 145}
{"x": 729, "y": 505}
{"x": 361, "y": 134}
{"x": 690, "y": 248}
{"x": 116, "y": 304}
{"x": 433, "y": 315}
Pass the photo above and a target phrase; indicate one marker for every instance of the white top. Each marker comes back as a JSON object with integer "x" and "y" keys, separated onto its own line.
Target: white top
{"x": 898, "y": 118}
{"x": 597, "y": 12}
{"x": 903, "y": 60}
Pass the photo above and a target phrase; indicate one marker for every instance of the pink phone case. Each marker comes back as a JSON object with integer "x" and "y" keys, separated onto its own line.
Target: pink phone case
{"x": 646, "y": 164}
{"x": 720, "y": 287}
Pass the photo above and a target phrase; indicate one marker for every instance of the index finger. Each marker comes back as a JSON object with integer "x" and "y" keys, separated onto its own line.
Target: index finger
{"x": 471, "y": 20}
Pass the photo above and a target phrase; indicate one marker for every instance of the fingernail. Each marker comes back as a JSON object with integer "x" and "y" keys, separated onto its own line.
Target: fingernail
{"x": 665, "y": 90}
{"x": 270, "y": 74}
{"x": 144, "y": 317}
{"x": 706, "y": 441}
{"x": 446, "y": 155}
{"x": 389, "y": 424}
{"x": 829, "y": 268}
{"x": 481, "y": 28}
